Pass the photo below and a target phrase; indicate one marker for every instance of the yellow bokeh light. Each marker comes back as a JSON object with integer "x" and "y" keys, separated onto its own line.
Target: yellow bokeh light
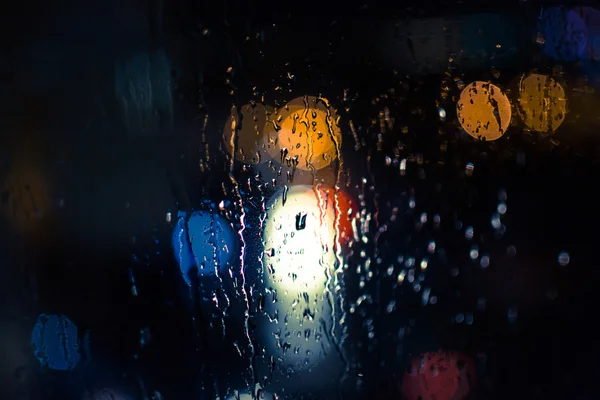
{"x": 249, "y": 125}
{"x": 542, "y": 103}
{"x": 305, "y": 130}
{"x": 484, "y": 111}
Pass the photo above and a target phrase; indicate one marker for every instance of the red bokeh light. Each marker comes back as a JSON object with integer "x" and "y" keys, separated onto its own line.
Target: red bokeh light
{"x": 444, "y": 375}
{"x": 347, "y": 210}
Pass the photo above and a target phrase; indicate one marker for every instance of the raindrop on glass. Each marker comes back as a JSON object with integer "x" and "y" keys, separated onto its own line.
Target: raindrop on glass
{"x": 469, "y": 319}
{"x": 469, "y": 169}
{"x": 502, "y": 208}
{"x": 474, "y": 253}
{"x": 484, "y": 262}
{"x": 564, "y": 259}
{"x": 496, "y": 223}
{"x": 511, "y": 251}
{"x": 442, "y": 113}
{"x": 431, "y": 247}
{"x": 469, "y": 232}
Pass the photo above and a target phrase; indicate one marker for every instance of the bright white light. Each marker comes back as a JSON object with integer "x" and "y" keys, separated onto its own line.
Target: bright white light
{"x": 299, "y": 240}
{"x": 298, "y": 262}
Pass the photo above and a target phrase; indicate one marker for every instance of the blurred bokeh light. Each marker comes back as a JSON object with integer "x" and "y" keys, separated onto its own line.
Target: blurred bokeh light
{"x": 299, "y": 260}
{"x": 306, "y": 132}
{"x": 542, "y": 103}
{"x": 484, "y": 111}
{"x": 55, "y": 342}
{"x": 443, "y": 375}
{"x": 204, "y": 242}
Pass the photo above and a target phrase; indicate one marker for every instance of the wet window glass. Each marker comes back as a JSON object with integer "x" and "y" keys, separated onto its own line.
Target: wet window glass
{"x": 236, "y": 200}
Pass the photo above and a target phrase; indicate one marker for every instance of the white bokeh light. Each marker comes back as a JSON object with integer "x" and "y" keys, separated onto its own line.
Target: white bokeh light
{"x": 299, "y": 260}
{"x": 299, "y": 240}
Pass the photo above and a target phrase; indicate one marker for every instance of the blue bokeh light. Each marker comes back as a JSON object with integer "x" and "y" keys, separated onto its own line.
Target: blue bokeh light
{"x": 55, "y": 342}
{"x": 565, "y": 34}
{"x": 204, "y": 241}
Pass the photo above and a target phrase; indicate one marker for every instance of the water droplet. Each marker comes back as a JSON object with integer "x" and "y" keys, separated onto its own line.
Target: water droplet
{"x": 502, "y": 208}
{"x": 401, "y": 276}
{"x": 145, "y": 337}
{"x": 511, "y": 251}
{"x": 442, "y": 113}
{"x": 469, "y": 169}
{"x": 403, "y": 166}
{"x": 431, "y": 247}
{"x": 469, "y": 232}
{"x": 496, "y": 223}
{"x": 474, "y": 253}
{"x": 469, "y": 319}
{"x": 425, "y": 296}
{"x": 484, "y": 262}
{"x": 563, "y": 259}
{"x": 391, "y": 307}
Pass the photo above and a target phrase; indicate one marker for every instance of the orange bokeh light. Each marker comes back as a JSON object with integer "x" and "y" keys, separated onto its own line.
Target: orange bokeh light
{"x": 305, "y": 130}
{"x": 484, "y": 111}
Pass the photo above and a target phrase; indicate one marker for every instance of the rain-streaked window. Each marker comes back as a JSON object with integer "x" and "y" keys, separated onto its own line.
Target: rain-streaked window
{"x": 241, "y": 201}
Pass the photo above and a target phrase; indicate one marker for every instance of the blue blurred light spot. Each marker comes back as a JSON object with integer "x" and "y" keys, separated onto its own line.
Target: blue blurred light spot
{"x": 565, "y": 34}
{"x": 204, "y": 241}
{"x": 55, "y": 342}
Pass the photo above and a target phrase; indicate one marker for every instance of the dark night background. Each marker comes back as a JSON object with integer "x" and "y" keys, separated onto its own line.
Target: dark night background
{"x": 103, "y": 106}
